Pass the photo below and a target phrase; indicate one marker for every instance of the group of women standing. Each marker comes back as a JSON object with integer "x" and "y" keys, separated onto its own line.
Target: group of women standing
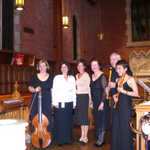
{"x": 65, "y": 92}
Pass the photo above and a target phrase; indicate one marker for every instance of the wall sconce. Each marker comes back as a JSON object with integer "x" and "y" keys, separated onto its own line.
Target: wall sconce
{"x": 65, "y": 22}
{"x": 19, "y": 5}
{"x": 100, "y": 36}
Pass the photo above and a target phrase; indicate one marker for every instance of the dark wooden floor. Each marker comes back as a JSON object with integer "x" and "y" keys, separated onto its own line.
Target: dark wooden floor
{"x": 76, "y": 145}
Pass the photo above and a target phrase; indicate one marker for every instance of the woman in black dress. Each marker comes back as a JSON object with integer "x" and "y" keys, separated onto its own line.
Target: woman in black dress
{"x": 41, "y": 81}
{"x": 121, "y": 134}
{"x": 101, "y": 108}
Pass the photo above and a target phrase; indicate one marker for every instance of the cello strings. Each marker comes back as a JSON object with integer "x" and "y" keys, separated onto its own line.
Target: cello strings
{"x": 32, "y": 103}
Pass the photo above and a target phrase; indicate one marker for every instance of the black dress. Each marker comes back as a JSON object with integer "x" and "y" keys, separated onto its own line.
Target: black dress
{"x": 101, "y": 118}
{"x": 46, "y": 99}
{"x": 121, "y": 134}
{"x": 114, "y": 76}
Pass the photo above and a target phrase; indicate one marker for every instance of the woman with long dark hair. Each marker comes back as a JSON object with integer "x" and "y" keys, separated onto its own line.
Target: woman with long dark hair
{"x": 64, "y": 101}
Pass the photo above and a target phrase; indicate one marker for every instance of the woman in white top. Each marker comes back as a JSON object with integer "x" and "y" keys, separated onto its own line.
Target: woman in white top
{"x": 63, "y": 100}
{"x": 83, "y": 94}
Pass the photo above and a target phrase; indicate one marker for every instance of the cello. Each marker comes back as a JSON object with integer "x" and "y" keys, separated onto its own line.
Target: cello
{"x": 40, "y": 138}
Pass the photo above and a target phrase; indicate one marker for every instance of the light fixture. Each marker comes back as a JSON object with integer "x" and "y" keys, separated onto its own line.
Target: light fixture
{"x": 19, "y": 5}
{"x": 100, "y": 36}
{"x": 65, "y": 22}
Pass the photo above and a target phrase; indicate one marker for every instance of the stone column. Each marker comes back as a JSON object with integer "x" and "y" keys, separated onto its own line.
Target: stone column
{"x": 17, "y": 30}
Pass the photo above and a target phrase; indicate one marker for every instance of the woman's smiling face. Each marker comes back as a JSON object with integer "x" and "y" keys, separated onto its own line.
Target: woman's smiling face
{"x": 120, "y": 70}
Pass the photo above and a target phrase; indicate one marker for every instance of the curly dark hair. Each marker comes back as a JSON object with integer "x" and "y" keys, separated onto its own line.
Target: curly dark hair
{"x": 68, "y": 66}
{"x": 98, "y": 62}
{"x": 82, "y": 61}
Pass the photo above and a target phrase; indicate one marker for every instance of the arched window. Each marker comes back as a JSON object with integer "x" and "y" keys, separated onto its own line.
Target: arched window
{"x": 140, "y": 13}
{"x": 138, "y": 22}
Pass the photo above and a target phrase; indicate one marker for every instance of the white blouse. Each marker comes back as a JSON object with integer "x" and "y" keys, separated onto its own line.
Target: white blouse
{"x": 63, "y": 90}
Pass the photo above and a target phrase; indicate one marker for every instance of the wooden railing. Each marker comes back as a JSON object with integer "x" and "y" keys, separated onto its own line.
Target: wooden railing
{"x": 9, "y": 74}
{"x": 11, "y": 109}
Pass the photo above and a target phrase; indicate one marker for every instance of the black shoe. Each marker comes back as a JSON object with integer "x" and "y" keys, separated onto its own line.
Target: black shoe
{"x": 82, "y": 143}
{"x": 68, "y": 143}
{"x": 59, "y": 145}
{"x": 99, "y": 145}
{"x": 78, "y": 141}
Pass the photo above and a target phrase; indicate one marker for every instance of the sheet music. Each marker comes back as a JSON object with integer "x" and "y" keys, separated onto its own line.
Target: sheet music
{"x": 145, "y": 85}
{"x": 145, "y": 104}
{"x": 12, "y": 101}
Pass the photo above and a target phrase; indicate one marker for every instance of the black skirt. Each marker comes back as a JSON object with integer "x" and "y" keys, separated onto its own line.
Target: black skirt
{"x": 81, "y": 111}
{"x": 63, "y": 124}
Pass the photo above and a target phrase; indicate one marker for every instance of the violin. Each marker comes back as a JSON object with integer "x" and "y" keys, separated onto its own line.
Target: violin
{"x": 40, "y": 138}
{"x": 120, "y": 85}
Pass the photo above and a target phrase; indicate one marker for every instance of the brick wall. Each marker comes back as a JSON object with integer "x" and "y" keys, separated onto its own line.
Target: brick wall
{"x": 114, "y": 27}
{"x": 38, "y": 16}
{"x": 87, "y": 26}
{"x": 108, "y": 17}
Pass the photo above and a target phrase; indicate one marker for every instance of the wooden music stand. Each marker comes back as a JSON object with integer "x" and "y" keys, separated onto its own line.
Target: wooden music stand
{"x": 141, "y": 109}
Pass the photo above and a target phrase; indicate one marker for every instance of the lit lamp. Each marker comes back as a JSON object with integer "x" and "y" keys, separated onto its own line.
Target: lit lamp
{"x": 19, "y": 5}
{"x": 100, "y": 36}
{"x": 65, "y": 22}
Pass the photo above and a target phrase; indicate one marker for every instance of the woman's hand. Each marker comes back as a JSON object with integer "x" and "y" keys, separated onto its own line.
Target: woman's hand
{"x": 120, "y": 90}
{"x": 56, "y": 106}
{"x": 91, "y": 104}
{"x": 111, "y": 85}
{"x": 37, "y": 89}
{"x": 107, "y": 89}
{"x": 115, "y": 97}
{"x": 101, "y": 106}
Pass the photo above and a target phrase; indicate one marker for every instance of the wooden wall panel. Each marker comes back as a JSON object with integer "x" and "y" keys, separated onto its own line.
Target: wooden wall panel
{"x": 9, "y": 74}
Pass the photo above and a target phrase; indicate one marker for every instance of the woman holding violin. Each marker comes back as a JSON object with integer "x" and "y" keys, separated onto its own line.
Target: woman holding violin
{"x": 41, "y": 83}
{"x": 126, "y": 89}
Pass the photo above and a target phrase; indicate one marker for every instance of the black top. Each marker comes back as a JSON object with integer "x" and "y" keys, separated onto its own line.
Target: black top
{"x": 46, "y": 95}
{"x": 98, "y": 89}
{"x": 114, "y": 76}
